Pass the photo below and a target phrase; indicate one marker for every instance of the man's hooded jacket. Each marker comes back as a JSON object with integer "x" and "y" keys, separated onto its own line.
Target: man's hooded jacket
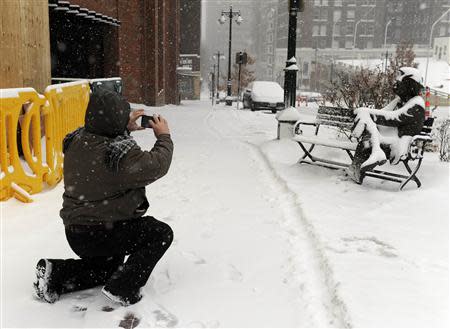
{"x": 105, "y": 171}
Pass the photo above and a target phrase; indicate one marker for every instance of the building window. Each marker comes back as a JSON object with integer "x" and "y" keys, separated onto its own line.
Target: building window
{"x": 337, "y": 15}
{"x": 315, "y": 30}
{"x": 338, "y": 3}
{"x": 323, "y": 30}
{"x": 350, "y": 14}
{"x": 270, "y": 37}
{"x": 442, "y": 31}
{"x": 436, "y": 50}
{"x": 348, "y": 44}
{"x": 305, "y": 68}
{"x": 369, "y": 44}
{"x": 324, "y": 2}
{"x": 316, "y": 13}
{"x": 316, "y": 2}
{"x": 349, "y": 28}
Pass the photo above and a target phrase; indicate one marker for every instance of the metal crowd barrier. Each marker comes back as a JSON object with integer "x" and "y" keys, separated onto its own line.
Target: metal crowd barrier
{"x": 25, "y": 118}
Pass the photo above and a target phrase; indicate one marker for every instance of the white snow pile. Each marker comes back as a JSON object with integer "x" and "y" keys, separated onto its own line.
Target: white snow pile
{"x": 289, "y": 114}
{"x": 14, "y": 92}
{"x": 260, "y": 241}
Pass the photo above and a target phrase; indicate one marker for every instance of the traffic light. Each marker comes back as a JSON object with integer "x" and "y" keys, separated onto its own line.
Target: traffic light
{"x": 241, "y": 58}
{"x": 297, "y": 5}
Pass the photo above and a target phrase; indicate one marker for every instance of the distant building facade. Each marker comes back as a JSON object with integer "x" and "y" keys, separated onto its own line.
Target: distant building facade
{"x": 441, "y": 49}
{"x": 189, "y": 78}
{"x": 326, "y": 31}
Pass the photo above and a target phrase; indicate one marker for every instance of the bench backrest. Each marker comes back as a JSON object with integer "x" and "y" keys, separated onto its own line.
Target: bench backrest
{"x": 335, "y": 116}
{"x": 343, "y": 118}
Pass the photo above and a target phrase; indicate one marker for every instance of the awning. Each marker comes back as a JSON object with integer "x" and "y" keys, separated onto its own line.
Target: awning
{"x": 63, "y": 6}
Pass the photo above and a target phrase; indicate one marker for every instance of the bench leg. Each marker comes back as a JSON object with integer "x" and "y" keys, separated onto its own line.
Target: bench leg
{"x": 307, "y": 152}
{"x": 311, "y": 148}
{"x": 349, "y": 154}
{"x": 412, "y": 174}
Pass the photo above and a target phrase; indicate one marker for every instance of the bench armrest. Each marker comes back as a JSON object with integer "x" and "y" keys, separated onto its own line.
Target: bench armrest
{"x": 417, "y": 146}
{"x": 296, "y": 128}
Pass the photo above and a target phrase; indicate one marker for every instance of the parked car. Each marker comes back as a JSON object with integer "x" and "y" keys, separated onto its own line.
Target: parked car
{"x": 264, "y": 95}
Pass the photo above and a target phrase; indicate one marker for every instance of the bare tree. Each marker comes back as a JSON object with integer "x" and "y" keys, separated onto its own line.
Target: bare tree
{"x": 363, "y": 87}
{"x": 247, "y": 75}
{"x": 442, "y": 133}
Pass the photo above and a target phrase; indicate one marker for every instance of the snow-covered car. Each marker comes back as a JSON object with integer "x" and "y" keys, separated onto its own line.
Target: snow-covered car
{"x": 264, "y": 95}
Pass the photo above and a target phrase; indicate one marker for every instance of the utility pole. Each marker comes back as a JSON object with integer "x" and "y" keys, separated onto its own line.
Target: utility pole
{"x": 219, "y": 56}
{"x": 290, "y": 75}
{"x": 213, "y": 82}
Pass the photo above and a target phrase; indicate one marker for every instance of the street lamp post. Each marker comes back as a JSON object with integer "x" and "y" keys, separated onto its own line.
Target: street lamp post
{"x": 356, "y": 26}
{"x": 430, "y": 45}
{"x": 230, "y": 14}
{"x": 290, "y": 75}
{"x": 218, "y": 56}
{"x": 385, "y": 39}
{"x": 333, "y": 35}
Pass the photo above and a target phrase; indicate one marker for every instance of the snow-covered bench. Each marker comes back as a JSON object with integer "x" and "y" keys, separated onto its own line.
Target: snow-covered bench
{"x": 342, "y": 120}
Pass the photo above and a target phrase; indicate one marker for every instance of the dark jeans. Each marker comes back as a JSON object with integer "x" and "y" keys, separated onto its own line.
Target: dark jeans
{"x": 102, "y": 251}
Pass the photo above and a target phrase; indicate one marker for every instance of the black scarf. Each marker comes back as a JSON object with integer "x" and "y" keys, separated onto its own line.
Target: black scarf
{"x": 117, "y": 147}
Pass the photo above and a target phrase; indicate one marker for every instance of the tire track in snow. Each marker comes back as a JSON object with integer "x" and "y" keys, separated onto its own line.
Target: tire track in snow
{"x": 321, "y": 289}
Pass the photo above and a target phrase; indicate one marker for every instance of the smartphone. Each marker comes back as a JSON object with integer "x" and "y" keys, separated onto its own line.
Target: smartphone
{"x": 145, "y": 121}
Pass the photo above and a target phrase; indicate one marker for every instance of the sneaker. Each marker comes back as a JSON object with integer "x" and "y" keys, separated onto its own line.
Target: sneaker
{"x": 354, "y": 173}
{"x": 43, "y": 288}
{"x": 128, "y": 300}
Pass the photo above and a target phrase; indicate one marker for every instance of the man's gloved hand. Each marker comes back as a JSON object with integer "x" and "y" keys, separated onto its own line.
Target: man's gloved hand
{"x": 159, "y": 125}
{"x": 132, "y": 125}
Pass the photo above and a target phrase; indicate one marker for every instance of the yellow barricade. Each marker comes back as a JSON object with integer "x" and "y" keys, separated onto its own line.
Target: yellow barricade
{"x": 21, "y": 113}
{"x": 68, "y": 102}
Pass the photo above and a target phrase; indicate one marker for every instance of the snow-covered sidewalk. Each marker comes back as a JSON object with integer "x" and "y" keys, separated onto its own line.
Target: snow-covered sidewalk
{"x": 259, "y": 240}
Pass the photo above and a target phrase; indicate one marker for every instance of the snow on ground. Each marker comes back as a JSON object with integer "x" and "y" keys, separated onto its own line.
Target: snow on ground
{"x": 438, "y": 76}
{"x": 260, "y": 241}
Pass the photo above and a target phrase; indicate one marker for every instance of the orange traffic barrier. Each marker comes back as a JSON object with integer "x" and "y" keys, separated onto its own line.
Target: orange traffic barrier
{"x": 25, "y": 118}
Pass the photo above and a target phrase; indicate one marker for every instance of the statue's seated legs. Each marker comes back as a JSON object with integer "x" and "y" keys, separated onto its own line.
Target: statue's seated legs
{"x": 367, "y": 158}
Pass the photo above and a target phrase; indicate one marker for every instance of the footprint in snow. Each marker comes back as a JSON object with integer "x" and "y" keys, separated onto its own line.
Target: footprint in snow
{"x": 193, "y": 258}
{"x": 164, "y": 319}
{"x": 234, "y": 274}
{"x": 371, "y": 245}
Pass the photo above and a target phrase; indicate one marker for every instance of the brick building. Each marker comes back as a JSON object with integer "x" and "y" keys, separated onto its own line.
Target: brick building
{"x": 143, "y": 50}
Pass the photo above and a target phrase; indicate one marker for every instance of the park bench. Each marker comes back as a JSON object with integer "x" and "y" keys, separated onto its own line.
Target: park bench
{"x": 341, "y": 120}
